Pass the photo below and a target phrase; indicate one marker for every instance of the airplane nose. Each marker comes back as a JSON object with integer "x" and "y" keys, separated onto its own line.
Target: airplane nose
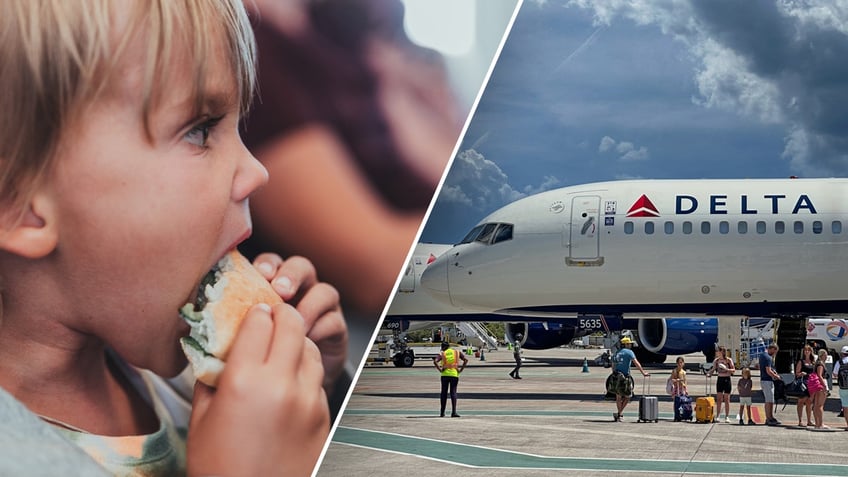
{"x": 435, "y": 279}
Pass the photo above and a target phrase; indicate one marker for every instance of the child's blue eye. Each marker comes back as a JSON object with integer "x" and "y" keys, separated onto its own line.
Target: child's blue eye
{"x": 199, "y": 134}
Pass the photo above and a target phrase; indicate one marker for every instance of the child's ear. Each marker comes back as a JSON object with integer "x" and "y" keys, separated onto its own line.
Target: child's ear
{"x": 36, "y": 234}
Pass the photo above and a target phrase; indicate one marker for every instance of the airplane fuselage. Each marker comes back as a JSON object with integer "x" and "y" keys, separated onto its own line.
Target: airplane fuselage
{"x": 748, "y": 247}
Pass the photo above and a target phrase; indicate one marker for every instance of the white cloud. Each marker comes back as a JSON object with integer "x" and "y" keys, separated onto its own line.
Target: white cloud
{"x": 724, "y": 83}
{"x": 454, "y": 194}
{"x": 635, "y": 154}
{"x": 548, "y": 183}
{"x": 607, "y": 143}
{"x": 626, "y": 150}
{"x": 479, "y": 183}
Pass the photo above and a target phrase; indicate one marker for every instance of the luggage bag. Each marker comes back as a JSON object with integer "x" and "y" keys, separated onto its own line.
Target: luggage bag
{"x": 683, "y": 408}
{"x": 648, "y": 405}
{"x": 705, "y": 406}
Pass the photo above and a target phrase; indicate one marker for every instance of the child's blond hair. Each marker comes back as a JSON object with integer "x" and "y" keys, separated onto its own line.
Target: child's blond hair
{"x": 59, "y": 56}
{"x": 746, "y": 372}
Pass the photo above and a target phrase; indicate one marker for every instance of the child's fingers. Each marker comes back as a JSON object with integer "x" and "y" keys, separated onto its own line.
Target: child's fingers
{"x": 330, "y": 328}
{"x": 267, "y": 264}
{"x": 320, "y": 300}
{"x": 312, "y": 369}
{"x": 288, "y": 340}
{"x": 330, "y": 334}
{"x": 253, "y": 340}
{"x": 294, "y": 276}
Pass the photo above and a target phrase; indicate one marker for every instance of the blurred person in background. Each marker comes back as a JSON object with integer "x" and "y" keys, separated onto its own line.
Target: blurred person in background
{"x": 355, "y": 124}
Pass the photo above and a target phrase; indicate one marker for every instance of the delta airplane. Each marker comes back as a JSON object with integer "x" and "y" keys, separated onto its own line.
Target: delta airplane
{"x": 413, "y": 308}
{"x": 769, "y": 247}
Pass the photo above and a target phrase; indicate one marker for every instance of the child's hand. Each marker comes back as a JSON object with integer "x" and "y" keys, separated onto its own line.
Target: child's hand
{"x": 296, "y": 280}
{"x": 269, "y": 414}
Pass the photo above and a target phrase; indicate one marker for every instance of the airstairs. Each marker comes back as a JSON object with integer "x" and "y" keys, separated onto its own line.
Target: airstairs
{"x": 475, "y": 330}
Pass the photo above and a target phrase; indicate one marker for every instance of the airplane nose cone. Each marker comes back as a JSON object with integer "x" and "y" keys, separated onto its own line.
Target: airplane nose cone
{"x": 435, "y": 279}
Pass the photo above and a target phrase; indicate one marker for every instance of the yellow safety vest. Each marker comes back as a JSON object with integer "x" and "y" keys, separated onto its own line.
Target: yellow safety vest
{"x": 450, "y": 362}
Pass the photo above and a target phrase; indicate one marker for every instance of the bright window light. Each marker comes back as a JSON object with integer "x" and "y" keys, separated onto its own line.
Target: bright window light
{"x": 444, "y": 25}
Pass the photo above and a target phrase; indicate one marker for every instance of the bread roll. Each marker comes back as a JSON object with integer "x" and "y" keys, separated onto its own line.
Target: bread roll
{"x": 225, "y": 295}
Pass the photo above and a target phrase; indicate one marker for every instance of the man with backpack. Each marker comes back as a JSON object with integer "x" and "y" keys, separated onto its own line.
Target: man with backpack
{"x": 622, "y": 383}
{"x": 841, "y": 372}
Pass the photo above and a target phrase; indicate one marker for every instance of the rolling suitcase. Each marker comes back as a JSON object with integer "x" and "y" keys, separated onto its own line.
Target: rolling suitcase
{"x": 648, "y": 405}
{"x": 705, "y": 406}
{"x": 683, "y": 407}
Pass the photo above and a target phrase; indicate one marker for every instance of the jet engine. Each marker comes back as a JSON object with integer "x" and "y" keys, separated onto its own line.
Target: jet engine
{"x": 540, "y": 335}
{"x": 675, "y": 336}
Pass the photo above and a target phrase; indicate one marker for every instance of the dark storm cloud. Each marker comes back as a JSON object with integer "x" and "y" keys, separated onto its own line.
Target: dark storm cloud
{"x": 782, "y": 62}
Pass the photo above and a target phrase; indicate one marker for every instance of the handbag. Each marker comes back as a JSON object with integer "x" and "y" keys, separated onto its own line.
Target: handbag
{"x": 797, "y": 388}
{"x": 669, "y": 386}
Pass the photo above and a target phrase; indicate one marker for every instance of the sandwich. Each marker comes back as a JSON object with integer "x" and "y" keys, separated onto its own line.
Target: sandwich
{"x": 224, "y": 296}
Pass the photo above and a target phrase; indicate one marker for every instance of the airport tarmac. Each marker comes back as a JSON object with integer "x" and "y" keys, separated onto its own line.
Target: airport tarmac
{"x": 556, "y": 419}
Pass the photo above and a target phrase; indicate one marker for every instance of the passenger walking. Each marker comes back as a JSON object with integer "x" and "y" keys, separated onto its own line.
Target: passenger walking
{"x": 447, "y": 362}
{"x": 516, "y": 354}
{"x": 767, "y": 377}
{"x": 818, "y": 390}
{"x": 622, "y": 382}
{"x": 745, "y": 387}
{"x": 803, "y": 368}
{"x": 725, "y": 369}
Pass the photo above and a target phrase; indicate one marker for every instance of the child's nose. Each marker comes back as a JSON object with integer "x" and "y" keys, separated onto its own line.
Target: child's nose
{"x": 250, "y": 175}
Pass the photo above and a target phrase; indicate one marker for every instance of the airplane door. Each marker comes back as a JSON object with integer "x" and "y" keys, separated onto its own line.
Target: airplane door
{"x": 407, "y": 282}
{"x": 584, "y": 233}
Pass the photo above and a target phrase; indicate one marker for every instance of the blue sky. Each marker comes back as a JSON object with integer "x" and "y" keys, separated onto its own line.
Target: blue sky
{"x": 588, "y": 91}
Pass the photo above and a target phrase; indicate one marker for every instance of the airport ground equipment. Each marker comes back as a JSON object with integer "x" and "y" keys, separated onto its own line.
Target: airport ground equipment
{"x": 648, "y": 405}
{"x": 476, "y": 331}
{"x": 829, "y": 332}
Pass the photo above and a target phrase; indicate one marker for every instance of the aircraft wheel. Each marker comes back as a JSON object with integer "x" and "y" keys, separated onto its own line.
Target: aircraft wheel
{"x": 407, "y": 359}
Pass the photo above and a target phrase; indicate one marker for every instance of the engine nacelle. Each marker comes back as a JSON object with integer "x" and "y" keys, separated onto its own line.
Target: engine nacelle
{"x": 540, "y": 335}
{"x": 675, "y": 336}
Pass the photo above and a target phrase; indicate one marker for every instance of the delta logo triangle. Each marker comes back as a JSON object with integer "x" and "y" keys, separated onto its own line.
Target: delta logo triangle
{"x": 643, "y": 207}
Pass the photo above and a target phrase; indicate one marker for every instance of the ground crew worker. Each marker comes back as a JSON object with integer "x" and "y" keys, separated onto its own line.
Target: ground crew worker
{"x": 447, "y": 362}
{"x": 516, "y": 354}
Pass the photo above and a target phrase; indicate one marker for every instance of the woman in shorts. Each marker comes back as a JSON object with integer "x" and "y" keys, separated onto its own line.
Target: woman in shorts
{"x": 725, "y": 369}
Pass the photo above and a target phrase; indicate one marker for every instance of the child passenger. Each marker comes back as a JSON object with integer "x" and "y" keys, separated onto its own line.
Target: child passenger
{"x": 745, "y": 386}
{"x": 123, "y": 180}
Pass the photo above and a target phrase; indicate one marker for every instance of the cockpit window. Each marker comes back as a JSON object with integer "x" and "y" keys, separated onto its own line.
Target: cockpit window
{"x": 489, "y": 233}
{"x": 486, "y": 233}
{"x": 503, "y": 234}
{"x": 470, "y": 236}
